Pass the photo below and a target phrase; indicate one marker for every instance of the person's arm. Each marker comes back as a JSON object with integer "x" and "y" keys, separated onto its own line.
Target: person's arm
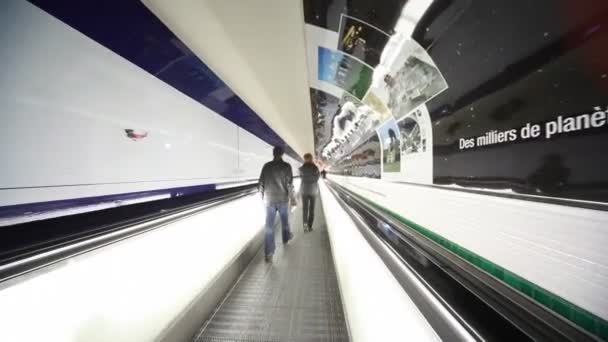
{"x": 292, "y": 195}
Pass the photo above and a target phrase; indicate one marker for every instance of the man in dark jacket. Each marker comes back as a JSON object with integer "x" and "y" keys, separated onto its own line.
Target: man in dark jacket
{"x": 309, "y": 173}
{"x": 276, "y": 186}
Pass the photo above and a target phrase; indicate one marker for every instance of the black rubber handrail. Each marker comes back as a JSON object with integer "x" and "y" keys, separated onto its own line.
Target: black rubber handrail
{"x": 33, "y": 260}
{"x": 444, "y": 320}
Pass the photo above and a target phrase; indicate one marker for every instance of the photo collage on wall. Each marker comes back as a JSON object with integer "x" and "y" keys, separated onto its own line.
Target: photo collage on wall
{"x": 368, "y": 84}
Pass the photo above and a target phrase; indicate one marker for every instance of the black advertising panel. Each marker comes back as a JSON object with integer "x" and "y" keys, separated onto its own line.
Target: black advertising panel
{"x": 527, "y": 103}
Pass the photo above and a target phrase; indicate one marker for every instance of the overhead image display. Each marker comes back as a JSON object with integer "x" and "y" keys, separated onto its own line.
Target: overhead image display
{"x": 379, "y": 76}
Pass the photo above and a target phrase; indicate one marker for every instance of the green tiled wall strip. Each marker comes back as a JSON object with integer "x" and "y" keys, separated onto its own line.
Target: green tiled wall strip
{"x": 579, "y": 316}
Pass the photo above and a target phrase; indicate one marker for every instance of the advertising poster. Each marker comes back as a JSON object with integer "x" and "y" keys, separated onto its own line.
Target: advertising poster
{"x": 377, "y": 105}
{"x": 352, "y": 123}
{"x": 414, "y": 131}
{"x": 344, "y": 71}
{"x": 340, "y": 124}
{"x": 364, "y": 161}
{"x": 390, "y": 140}
{"x": 369, "y": 118}
{"x": 324, "y": 108}
{"x": 416, "y": 147}
{"x": 410, "y": 80}
{"x": 361, "y": 40}
{"x": 411, "y": 137}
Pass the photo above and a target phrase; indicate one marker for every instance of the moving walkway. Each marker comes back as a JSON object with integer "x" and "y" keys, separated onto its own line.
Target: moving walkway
{"x": 195, "y": 271}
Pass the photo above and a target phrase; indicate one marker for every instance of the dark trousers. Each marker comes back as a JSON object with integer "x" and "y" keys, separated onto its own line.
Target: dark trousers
{"x": 308, "y": 209}
{"x": 271, "y": 213}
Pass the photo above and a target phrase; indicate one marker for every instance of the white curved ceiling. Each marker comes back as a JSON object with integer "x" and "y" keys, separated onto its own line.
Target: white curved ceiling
{"x": 258, "y": 49}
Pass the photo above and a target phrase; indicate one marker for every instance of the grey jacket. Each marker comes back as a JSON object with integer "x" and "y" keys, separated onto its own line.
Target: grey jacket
{"x": 310, "y": 176}
{"x": 276, "y": 182}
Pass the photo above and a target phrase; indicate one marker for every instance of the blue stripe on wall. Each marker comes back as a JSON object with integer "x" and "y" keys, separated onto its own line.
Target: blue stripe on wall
{"x": 130, "y": 30}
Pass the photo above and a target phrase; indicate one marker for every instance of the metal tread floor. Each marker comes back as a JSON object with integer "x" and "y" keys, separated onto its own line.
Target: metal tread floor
{"x": 294, "y": 298}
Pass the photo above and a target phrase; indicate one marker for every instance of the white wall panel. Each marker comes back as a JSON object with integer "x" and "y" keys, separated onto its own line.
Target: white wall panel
{"x": 66, "y": 103}
{"x": 253, "y": 154}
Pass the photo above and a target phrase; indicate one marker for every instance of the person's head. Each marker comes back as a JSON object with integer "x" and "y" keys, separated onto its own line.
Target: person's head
{"x": 391, "y": 134}
{"x": 308, "y": 158}
{"x": 389, "y": 80}
{"x": 277, "y": 152}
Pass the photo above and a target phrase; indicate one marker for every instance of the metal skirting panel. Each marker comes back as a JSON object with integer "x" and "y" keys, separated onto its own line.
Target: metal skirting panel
{"x": 294, "y": 298}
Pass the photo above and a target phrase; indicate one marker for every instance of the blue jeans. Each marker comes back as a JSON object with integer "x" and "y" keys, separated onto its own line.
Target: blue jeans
{"x": 271, "y": 210}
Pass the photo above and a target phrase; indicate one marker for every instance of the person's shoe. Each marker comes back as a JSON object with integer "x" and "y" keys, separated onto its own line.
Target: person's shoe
{"x": 289, "y": 239}
{"x": 305, "y": 228}
{"x": 268, "y": 258}
{"x": 310, "y": 229}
